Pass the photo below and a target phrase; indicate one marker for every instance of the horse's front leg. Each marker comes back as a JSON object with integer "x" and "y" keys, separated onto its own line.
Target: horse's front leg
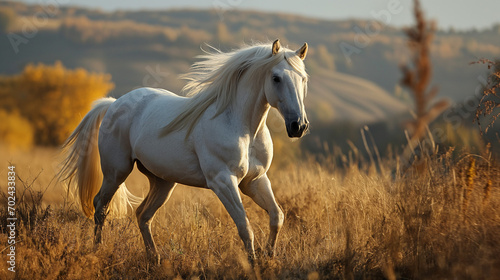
{"x": 225, "y": 186}
{"x": 260, "y": 191}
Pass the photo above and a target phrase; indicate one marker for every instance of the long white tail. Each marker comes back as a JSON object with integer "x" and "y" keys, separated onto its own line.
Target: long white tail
{"x": 83, "y": 162}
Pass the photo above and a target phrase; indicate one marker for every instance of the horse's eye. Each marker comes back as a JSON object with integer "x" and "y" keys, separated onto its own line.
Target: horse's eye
{"x": 276, "y": 79}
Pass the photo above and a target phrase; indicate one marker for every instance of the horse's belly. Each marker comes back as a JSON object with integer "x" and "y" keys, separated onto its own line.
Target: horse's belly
{"x": 173, "y": 162}
{"x": 169, "y": 157}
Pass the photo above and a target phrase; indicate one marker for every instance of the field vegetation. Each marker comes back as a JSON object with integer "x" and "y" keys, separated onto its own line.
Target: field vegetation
{"x": 437, "y": 219}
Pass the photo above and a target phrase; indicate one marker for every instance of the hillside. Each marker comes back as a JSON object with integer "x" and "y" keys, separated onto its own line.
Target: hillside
{"x": 337, "y": 96}
{"x": 92, "y": 42}
{"x": 151, "y": 48}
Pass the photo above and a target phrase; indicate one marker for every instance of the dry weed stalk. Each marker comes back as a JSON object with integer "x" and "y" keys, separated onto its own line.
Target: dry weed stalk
{"x": 490, "y": 100}
{"x": 487, "y": 191}
{"x": 487, "y": 187}
{"x": 417, "y": 76}
{"x": 469, "y": 183}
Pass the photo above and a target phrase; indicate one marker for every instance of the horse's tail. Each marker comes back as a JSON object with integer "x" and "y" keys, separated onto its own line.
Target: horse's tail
{"x": 83, "y": 163}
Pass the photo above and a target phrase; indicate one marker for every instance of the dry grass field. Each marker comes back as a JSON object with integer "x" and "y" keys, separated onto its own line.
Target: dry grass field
{"x": 438, "y": 220}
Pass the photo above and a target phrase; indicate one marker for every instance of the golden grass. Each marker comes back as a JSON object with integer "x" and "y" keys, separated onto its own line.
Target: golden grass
{"x": 344, "y": 224}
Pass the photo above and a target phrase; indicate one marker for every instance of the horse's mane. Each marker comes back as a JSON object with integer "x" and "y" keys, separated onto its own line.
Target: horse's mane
{"x": 215, "y": 79}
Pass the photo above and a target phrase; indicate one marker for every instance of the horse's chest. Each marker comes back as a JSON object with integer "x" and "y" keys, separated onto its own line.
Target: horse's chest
{"x": 259, "y": 159}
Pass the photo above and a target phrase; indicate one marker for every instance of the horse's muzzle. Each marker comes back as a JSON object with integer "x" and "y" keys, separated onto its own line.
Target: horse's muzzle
{"x": 297, "y": 129}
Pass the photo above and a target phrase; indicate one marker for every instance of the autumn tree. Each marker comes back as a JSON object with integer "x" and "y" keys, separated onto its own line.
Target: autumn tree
{"x": 417, "y": 76}
{"x": 15, "y": 131}
{"x": 52, "y": 99}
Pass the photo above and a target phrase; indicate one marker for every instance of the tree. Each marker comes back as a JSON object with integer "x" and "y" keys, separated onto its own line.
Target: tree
{"x": 15, "y": 131}
{"x": 417, "y": 76}
{"x": 52, "y": 99}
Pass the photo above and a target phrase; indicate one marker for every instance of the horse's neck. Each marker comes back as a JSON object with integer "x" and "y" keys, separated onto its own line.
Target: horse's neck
{"x": 250, "y": 108}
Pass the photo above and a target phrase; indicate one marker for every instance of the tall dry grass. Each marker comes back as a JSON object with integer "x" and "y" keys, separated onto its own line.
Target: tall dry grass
{"x": 440, "y": 219}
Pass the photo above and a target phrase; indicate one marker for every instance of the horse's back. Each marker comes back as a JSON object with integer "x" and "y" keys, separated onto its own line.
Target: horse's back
{"x": 133, "y": 108}
{"x": 138, "y": 118}
{"x": 133, "y": 112}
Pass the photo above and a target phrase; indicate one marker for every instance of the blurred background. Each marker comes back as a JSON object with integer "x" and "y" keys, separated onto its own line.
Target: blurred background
{"x": 58, "y": 56}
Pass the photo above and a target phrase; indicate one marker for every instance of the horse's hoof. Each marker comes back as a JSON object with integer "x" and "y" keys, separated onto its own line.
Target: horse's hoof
{"x": 154, "y": 259}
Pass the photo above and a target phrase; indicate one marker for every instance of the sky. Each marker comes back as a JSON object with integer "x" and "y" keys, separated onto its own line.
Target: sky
{"x": 457, "y": 14}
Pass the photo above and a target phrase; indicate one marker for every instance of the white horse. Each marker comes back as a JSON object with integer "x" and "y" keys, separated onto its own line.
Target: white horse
{"x": 217, "y": 138}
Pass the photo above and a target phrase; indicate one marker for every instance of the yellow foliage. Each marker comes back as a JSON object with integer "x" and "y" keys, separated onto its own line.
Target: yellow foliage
{"x": 52, "y": 98}
{"x": 15, "y": 131}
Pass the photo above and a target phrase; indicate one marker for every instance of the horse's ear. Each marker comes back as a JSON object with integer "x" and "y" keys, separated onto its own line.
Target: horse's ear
{"x": 302, "y": 52}
{"x": 276, "y": 46}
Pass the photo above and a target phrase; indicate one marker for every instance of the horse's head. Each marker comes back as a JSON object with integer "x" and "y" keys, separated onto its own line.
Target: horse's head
{"x": 286, "y": 87}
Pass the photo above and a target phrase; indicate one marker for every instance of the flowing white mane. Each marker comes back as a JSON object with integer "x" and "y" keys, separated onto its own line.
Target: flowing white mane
{"x": 215, "y": 79}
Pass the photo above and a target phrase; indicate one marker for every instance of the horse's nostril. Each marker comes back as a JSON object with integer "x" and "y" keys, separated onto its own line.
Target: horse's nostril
{"x": 295, "y": 126}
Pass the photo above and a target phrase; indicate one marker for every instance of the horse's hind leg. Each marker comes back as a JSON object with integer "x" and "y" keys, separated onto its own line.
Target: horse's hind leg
{"x": 115, "y": 170}
{"x": 260, "y": 191}
{"x": 101, "y": 203}
{"x": 159, "y": 192}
